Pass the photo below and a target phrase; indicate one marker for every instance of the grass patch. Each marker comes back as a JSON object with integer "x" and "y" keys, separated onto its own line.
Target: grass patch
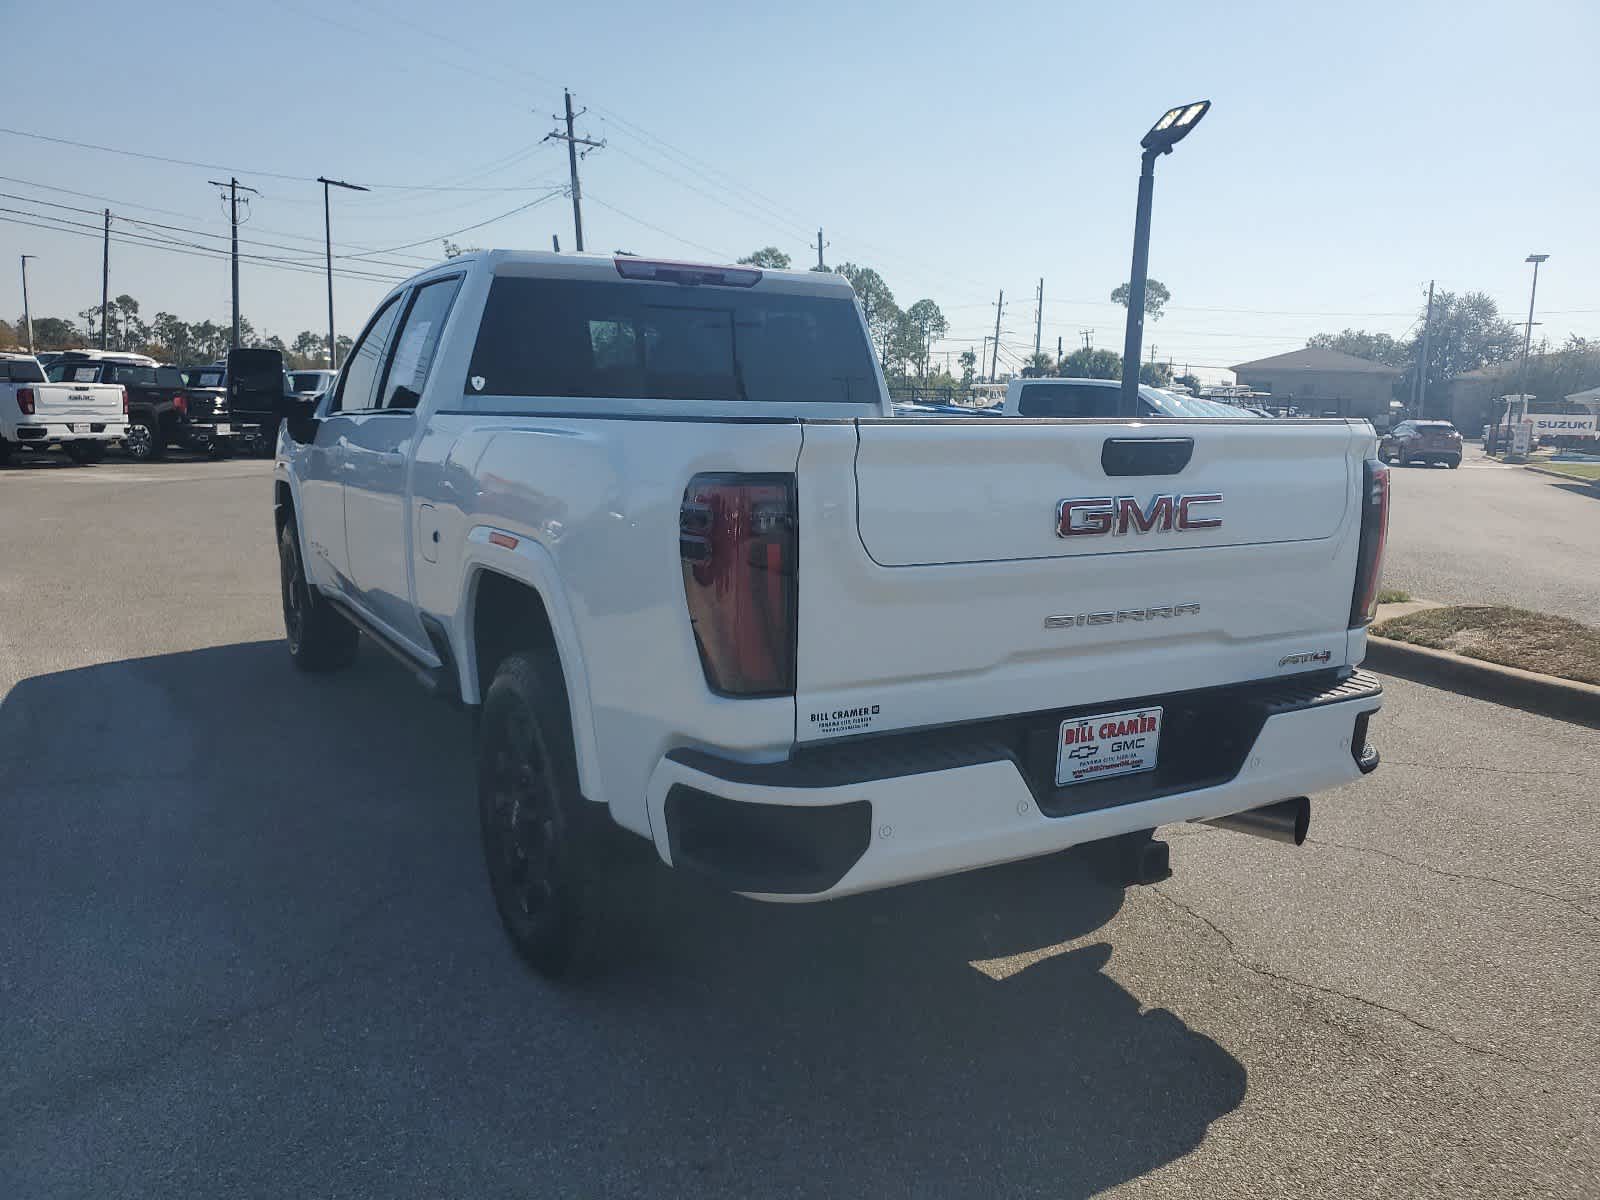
{"x": 1393, "y": 596}
{"x": 1512, "y": 637}
{"x": 1576, "y": 470}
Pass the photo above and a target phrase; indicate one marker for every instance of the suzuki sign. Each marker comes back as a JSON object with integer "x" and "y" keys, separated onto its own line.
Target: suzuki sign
{"x": 1549, "y": 425}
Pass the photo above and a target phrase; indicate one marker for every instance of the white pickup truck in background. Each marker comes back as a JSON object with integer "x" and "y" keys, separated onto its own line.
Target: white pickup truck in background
{"x": 658, "y": 526}
{"x": 84, "y": 419}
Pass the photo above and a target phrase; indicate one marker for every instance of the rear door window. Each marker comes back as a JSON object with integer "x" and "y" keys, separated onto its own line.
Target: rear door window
{"x": 658, "y": 341}
{"x": 1067, "y": 400}
{"x": 69, "y": 372}
{"x": 23, "y": 370}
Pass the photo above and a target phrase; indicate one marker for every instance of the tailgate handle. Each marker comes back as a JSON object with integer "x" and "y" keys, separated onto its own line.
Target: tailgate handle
{"x": 1146, "y": 456}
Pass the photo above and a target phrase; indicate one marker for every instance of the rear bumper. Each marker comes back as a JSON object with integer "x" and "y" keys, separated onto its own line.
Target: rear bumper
{"x": 886, "y": 811}
{"x": 45, "y": 433}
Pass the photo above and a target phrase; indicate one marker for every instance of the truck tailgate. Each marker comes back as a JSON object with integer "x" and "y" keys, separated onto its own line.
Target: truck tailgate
{"x": 73, "y": 402}
{"x": 946, "y": 592}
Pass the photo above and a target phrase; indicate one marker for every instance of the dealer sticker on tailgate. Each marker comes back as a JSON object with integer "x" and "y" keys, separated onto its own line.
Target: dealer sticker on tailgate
{"x": 1108, "y": 744}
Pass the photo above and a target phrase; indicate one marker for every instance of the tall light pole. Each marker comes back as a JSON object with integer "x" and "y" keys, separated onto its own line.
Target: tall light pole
{"x": 1175, "y": 125}
{"x": 27, "y": 313}
{"x": 327, "y": 233}
{"x": 1527, "y": 341}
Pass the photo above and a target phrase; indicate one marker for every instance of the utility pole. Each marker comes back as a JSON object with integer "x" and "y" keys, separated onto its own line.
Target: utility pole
{"x": 327, "y": 233}
{"x": 573, "y": 141}
{"x": 105, "y": 278}
{"x": 555, "y": 243}
{"x": 994, "y": 360}
{"x": 1421, "y": 389}
{"x": 1058, "y": 353}
{"x": 234, "y": 188}
{"x": 821, "y": 245}
{"x": 1088, "y": 338}
{"x": 27, "y": 313}
{"x": 1038, "y": 320}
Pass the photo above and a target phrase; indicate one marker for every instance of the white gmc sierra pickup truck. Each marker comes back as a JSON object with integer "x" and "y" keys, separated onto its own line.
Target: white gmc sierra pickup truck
{"x": 657, "y": 524}
{"x": 84, "y": 419}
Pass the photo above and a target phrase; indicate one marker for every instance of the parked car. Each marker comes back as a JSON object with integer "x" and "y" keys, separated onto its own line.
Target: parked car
{"x": 1422, "y": 441}
{"x": 160, "y": 411}
{"x": 306, "y": 384}
{"x": 256, "y": 385}
{"x": 1069, "y": 397}
{"x": 697, "y": 580}
{"x": 84, "y": 417}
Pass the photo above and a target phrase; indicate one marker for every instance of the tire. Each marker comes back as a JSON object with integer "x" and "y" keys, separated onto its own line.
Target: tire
{"x": 142, "y": 442}
{"x": 542, "y": 844}
{"x": 319, "y": 638}
{"x": 5, "y": 452}
{"x": 1452, "y": 463}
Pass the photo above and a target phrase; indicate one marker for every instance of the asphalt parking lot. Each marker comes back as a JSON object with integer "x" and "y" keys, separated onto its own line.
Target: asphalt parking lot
{"x": 248, "y": 948}
{"x": 1494, "y": 534}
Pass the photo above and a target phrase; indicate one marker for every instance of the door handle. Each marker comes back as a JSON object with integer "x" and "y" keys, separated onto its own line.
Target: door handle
{"x": 392, "y": 459}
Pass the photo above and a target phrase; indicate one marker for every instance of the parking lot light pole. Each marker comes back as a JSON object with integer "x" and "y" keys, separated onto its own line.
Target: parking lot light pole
{"x": 1174, "y": 125}
{"x": 1527, "y": 340}
{"x": 27, "y": 313}
{"x": 327, "y": 233}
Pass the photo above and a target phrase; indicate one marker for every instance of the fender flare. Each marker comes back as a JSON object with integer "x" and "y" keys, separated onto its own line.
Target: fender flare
{"x": 532, "y": 565}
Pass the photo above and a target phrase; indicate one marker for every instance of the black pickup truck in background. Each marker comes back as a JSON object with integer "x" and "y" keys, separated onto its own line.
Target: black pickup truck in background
{"x": 256, "y": 385}
{"x": 160, "y": 412}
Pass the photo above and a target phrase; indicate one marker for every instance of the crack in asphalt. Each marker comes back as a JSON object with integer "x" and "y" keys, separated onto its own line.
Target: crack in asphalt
{"x": 1268, "y": 973}
{"x": 1434, "y": 766}
{"x": 1467, "y": 877}
{"x": 69, "y": 1093}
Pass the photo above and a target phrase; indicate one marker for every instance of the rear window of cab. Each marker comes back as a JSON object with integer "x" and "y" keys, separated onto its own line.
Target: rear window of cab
{"x": 662, "y": 341}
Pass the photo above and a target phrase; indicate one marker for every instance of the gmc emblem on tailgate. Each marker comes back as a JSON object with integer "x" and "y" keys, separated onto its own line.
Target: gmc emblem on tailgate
{"x": 1116, "y": 515}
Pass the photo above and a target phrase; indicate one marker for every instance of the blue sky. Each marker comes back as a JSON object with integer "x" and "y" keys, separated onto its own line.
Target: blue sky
{"x": 1353, "y": 152}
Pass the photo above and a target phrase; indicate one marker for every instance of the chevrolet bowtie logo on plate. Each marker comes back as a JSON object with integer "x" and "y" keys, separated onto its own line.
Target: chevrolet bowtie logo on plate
{"x": 1093, "y": 516}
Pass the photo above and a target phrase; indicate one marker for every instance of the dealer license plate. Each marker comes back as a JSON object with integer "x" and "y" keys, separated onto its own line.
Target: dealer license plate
{"x": 1107, "y": 745}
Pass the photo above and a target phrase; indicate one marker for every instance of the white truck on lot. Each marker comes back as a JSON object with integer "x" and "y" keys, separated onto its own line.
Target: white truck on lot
{"x": 657, "y": 525}
{"x": 84, "y": 419}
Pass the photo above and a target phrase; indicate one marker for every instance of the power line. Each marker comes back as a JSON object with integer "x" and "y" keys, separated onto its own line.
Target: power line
{"x": 171, "y": 246}
{"x": 656, "y": 228}
{"x": 205, "y": 166}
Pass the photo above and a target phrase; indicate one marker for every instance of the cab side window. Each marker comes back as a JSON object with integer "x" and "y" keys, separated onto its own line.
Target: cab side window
{"x": 359, "y": 383}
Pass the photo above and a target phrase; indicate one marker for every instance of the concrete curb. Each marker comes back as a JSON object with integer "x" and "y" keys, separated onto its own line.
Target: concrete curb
{"x": 1528, "y": 690}
{"x": 1592, "y": 484}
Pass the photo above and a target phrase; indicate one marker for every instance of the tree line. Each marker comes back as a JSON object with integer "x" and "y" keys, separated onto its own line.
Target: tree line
{"x": 904, "y": 337}
{"x": 164, "y": 336}
{"x": 1467, "y": 333}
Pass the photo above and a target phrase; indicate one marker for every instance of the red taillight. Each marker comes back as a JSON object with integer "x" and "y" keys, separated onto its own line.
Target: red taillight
{"x": 1374, "y": 533}
{"x": 25, "y": 401}
{"x": 124, "y": 401}
{"x": 736, "y": 537}
{"x": 181, "y": 403}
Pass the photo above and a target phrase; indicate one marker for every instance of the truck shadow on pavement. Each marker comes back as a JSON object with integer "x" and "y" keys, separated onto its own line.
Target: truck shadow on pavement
{"x": 252, "y": 950}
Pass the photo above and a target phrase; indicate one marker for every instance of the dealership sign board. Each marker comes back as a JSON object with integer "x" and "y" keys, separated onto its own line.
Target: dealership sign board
{"x": 1549, "y": 425}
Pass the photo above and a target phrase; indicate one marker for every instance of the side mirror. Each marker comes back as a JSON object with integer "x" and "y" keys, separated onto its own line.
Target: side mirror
{"x": 300, "y": 417}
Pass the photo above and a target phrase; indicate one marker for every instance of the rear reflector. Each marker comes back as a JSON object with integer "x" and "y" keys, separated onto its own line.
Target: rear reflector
{"x": 181, "y": 403}
{"x": 663, "y": 271}
{"x": 736, "y": 539}
{"x": 25, "y": 401}
{"x": 1374, "y": 535}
